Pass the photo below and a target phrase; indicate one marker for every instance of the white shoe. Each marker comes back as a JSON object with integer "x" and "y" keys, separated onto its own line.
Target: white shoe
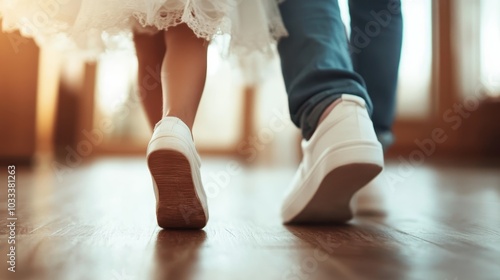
{"x": 371, "y": 199}
{"x": 175, "y": 168}
{"x": 342, "y": 156}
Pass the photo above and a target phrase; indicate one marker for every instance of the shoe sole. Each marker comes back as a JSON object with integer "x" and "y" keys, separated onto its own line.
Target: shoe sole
{"x": 178, "y": 205}
{"x": 330, "y": 203}
{"x": 329, "y": 200}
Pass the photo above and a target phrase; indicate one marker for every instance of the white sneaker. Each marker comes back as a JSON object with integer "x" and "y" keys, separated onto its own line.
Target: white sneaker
{"x": 175, "y": 168}
{"x": 342, "y": 156}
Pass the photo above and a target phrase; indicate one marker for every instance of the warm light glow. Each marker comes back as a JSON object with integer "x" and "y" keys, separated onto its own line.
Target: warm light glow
{"x": 416, "y": 60}
{"x": 115, "y": 75}
{"x": 48, "y": 86}
{"x": 490, "y": 44}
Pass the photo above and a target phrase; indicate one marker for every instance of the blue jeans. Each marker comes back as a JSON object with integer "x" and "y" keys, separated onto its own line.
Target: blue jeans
{"x": 320, "y": 64}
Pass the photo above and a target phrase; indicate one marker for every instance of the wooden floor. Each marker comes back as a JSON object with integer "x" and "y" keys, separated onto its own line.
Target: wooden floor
{"x": 97, "y": 222}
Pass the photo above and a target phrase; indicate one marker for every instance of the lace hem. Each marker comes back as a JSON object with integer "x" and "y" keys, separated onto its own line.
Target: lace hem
{"x": 95, "y": 26}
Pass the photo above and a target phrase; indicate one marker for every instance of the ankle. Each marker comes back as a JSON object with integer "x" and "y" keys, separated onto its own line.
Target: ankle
{"x": 189, "y": 121}
{"x": 173, "y": 121}
{"x": 328, "y": 109}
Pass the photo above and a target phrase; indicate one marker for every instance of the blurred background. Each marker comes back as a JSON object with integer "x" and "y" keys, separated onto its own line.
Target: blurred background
{"x": 58, "y": 105}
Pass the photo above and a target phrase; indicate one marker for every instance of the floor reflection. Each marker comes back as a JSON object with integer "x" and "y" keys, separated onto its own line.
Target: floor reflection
{"x": 176, "y": 253}
{"x": 354, "y": 251}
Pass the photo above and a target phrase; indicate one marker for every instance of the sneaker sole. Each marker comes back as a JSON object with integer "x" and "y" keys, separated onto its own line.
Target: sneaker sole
{"x": 178, "y": 205}
{"x": 330, "y": 199}
{"x": 330, "y": 203}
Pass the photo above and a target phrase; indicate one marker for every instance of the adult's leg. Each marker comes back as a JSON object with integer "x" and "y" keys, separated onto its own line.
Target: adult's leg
{"x": 150, "y": 50}
{"x": 376, "y": 40}
{"x": 344, "y": 155}
{"x": 315, "y": 61}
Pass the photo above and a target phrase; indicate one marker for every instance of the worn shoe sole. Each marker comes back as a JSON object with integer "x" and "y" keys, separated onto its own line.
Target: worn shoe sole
{"x": 178, "y": 204}
{"x": 324, "y": 196}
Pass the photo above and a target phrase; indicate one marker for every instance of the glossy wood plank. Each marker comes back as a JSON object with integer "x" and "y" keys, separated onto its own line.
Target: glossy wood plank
{"x": 97, "y": 222}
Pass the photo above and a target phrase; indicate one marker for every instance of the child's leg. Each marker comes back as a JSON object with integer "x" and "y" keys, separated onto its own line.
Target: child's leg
{"x": 172, "y": 158}
{"x": 150, "y": 53}
{"x": 183, "y": 73}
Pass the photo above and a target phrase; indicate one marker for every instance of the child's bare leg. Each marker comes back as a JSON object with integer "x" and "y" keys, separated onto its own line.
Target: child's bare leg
{"x": 150, "y": 51}
{"x": 172, "y": 157}
{"x": 183, "y": 73}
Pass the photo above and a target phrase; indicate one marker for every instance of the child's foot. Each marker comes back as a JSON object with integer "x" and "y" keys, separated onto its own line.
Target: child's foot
{"x": 175, "y": 168}
{"x": 342, "y": 156}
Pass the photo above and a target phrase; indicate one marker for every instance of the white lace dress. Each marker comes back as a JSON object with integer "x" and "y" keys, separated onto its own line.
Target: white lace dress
{"x": 97, "y": 25}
